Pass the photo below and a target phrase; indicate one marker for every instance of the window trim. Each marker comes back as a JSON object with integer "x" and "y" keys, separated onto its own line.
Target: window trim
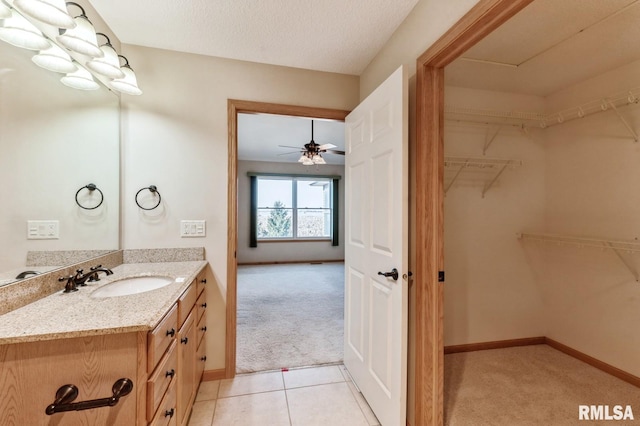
{"x": 253, "y": 212}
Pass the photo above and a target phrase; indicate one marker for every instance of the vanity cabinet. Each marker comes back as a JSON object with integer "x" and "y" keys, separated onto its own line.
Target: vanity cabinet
{"x": 164, "y": 364}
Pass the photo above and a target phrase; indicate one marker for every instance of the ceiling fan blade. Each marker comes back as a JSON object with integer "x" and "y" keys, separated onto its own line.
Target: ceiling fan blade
{"x": 326, "y": 146}
{"x": 288, "y": 146}
{"x": 335, "y": 151}
{"x": 289, "y": 153}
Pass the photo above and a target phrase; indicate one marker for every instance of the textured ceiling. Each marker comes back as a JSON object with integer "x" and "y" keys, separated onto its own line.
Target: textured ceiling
{"x": 550, "y": 45}
{"x": 260, "y": 134}
{"x": 326, "y": 35}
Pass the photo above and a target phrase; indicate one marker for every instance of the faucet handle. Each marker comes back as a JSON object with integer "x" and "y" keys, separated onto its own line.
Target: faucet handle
{"x": 70, "y": 285}
{"x": 96, "y": 267}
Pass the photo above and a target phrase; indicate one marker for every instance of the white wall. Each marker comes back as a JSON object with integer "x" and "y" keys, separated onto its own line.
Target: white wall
{"x": 175, "y": 136}
{"x": 281, "y": 251}
{"x": 490, "y": 290}
{"x": 592, "y": 300}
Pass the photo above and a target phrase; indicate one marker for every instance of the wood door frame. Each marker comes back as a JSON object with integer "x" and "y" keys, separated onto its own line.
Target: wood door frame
{"x": 234, "y": 107}
{"x": 482, "y": 19}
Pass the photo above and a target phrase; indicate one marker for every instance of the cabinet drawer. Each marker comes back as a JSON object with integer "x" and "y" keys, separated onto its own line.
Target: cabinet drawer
{"x": 201, "y": 304}
{"x": 201, "y": 282}
{"x": 185, "y": 304}
{"x": 160, "y": 338}
{"x": 201, "y": 359}
{"x": 160, "y": 380}
{"x": 167, "y": 414}
{"x": 201, "y": 329}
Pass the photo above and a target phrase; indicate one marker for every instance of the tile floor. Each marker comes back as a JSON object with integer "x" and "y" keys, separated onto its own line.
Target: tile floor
{"x": 299, "y": 397}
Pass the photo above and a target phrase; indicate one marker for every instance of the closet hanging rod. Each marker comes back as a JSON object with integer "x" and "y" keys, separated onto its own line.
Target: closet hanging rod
{"x": 480, "y": 162}
{"x": 627, "y": 246}
{"x": 512, "y": 115}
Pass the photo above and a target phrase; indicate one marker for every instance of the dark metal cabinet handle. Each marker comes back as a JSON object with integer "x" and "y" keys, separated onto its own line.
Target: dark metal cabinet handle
{"x": 68, "y": 393}
{"x": 203, "y": 281}
{"x": 170, "y": 373}
{"x": 184, "y": 340}
{"x": 393, "y": 274}
{"x": 171, "y": 332}
{"x": 204, "y": 305}
{"x": 169, "y": 413}
{"x": 204, "y": 358}
{"x": 204, "y": 328}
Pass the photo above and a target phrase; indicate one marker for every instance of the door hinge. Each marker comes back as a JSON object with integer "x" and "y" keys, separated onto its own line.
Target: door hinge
{"x": 440, "y": 276}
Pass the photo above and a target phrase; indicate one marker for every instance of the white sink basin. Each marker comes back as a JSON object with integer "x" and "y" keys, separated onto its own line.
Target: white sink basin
{"x": 134, "y": 285}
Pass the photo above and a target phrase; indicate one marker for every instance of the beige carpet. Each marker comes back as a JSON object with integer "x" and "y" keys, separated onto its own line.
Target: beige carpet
{"x": 531, "y": 385}
{"x": 289, "y": 316}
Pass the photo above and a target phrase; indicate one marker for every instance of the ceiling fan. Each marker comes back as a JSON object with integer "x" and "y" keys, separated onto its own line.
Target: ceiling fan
{"x": 312, "y": 152}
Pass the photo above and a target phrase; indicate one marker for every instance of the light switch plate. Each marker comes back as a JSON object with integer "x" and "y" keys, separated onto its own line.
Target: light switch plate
{"x": 193, "y": 228}
{"x": 43, "y": 230}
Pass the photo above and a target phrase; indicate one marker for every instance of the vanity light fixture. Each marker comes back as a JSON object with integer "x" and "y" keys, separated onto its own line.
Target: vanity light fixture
{"x": 16, "y": 30}
{"x": 55, "y": 59}
{"x": 5, "y": 12}
{"x": 128, "y": 84}
{"x": 52, "y": 12}
{"x": 80, "y": 79}
{"x": 82, "y": 38}
{"x": 109, "y": 64}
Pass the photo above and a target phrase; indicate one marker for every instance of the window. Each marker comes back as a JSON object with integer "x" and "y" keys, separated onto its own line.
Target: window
{"x": 293, "y": 207}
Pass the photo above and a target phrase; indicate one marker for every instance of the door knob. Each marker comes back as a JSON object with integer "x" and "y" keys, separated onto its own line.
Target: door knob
{"x": 393, "y": 274}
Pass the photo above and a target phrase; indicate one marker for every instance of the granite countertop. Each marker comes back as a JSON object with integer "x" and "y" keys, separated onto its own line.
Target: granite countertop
{"x": 66, "y": 315}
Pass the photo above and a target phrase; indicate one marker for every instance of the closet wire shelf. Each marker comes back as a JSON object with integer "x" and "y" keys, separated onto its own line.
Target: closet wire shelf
{"x": 529, "y": 119}
{"x": 618, "y": 247}
{"x": 460, "y": 164}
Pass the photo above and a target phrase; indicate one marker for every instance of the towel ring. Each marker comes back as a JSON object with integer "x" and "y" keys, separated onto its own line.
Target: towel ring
{"x": 154, "y": 190}
{"x": 91, "y": 187}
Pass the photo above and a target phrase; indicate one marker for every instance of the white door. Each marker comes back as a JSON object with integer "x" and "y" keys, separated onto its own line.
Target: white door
{"x": 376, "y": 308}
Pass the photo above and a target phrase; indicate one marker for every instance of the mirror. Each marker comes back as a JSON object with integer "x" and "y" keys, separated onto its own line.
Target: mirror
{"x": 54, "y": 141}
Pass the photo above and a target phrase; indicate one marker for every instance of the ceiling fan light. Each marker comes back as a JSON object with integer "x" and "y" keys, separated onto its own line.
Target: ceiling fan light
{"x": 108, "y": 65}
{"x": 307, "y": 162}
{"x": 317, "y": 159}
{"x": 16, "y": 30}
{"x": 82, "y": 38}
{"x": 81, "y": 79}
{"x": 302, "y": 158}
{"x": 52, "y": 12}
{"x": 55, "y": 59}
{"x": 128, "y": 84}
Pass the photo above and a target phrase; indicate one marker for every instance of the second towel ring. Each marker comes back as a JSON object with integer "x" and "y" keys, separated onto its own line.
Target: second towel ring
{"x": 91, "y": 187}
{"x": 154, "y": 190}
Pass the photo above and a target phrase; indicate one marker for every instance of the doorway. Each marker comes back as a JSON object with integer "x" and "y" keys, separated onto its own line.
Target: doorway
{"x": 236, "y": 107}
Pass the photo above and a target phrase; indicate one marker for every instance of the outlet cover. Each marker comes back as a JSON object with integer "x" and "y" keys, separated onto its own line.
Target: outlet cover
{"x": 43, "y": 230}
{"x": 193, "y": 228}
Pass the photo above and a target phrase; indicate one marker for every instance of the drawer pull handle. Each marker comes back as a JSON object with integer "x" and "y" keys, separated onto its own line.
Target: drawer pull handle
{"x": 184, "y": 340}
{"x": 204, "y": 358}
{"x": 169, "y": 413}
{"x": 204, "y": 328}
{"x": 171, "y": 332}
{"x": 204, "y": 281}
{"x": 170, "y": 373}
{"x": 204, "y": 305}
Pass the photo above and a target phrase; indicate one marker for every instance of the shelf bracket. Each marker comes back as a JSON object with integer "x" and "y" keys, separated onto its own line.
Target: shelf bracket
{"x": 489, "y": 140}
{"x": 624, "y": 262}
{"x": 456, "y": 176}
{"x": 495, "y": 178}
{"x": 625, "y": 122}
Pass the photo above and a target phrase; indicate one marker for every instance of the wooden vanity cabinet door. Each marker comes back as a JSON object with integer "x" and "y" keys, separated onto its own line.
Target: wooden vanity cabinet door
{"x": 187, "y": 342}
{"x": 201, "y": 282}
